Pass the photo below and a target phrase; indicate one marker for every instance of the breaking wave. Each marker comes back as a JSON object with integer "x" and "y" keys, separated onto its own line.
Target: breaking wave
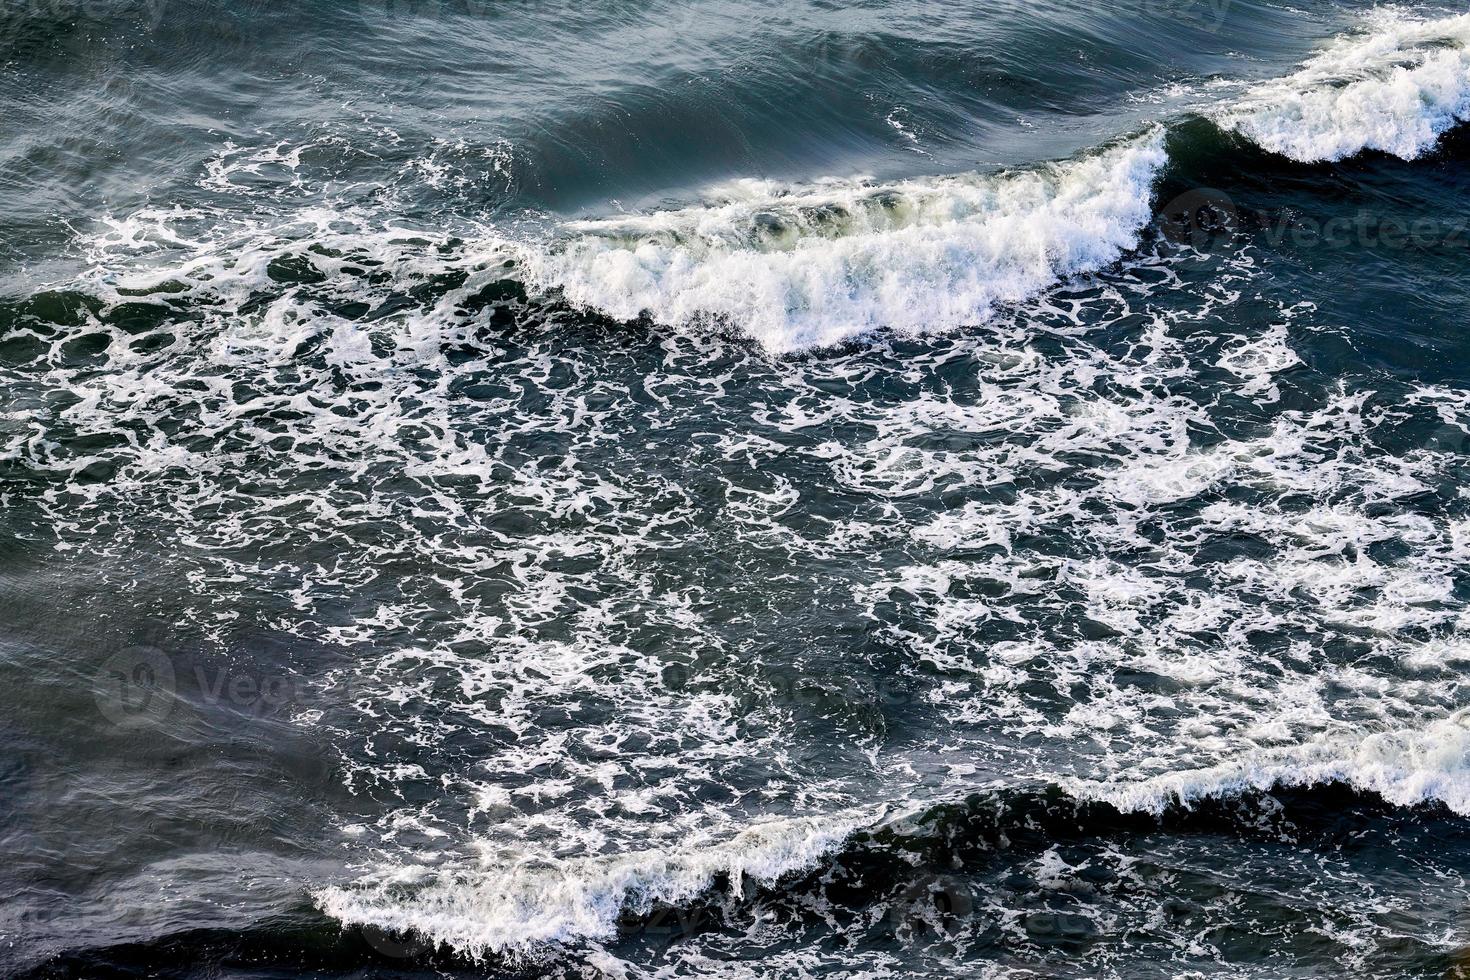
{"x": 528, "y": 906}
{"x": 1396, "y": 88}
{"x": 530, "y": 909}
{"x": 797, "y": 266}
{"x": 804, "y": 266}
{"x": 1406, "y": 767}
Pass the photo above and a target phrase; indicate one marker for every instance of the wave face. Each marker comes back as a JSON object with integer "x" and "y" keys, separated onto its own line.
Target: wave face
{"x": 540, "y": 528}
{"x": 520, "y": 911}
{"x": 1396, "y": 87}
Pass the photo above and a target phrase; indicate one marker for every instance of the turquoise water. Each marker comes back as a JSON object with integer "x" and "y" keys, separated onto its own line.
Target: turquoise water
{"x": 734, "y": 489}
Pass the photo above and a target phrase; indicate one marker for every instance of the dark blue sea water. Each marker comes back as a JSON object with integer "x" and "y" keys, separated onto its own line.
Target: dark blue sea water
{"x": 734, "y": 489}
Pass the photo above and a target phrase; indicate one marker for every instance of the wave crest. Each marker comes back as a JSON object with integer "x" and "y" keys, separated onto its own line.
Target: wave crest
{"x": 1406, "y": 767}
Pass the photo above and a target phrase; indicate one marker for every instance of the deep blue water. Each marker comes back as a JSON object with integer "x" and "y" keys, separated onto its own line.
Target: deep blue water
{"x": 734, "y": 489}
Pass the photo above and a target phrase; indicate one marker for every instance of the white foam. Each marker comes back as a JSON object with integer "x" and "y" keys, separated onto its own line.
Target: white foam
{"x": 808, "y": 265}
{"x": 1396, "y": 87}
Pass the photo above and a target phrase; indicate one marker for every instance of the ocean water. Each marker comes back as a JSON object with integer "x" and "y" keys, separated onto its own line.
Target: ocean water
{"x": 734, "y": 489}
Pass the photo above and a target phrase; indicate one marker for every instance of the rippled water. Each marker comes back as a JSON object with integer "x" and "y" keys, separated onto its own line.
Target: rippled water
{"x": 777, "y": 490}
